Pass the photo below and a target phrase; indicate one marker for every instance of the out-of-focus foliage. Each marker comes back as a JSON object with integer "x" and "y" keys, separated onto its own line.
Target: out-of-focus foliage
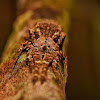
{"x": 16, "y": 34}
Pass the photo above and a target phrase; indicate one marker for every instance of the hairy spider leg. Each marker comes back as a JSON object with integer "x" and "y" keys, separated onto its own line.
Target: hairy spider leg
{"x": 14, "y": 70}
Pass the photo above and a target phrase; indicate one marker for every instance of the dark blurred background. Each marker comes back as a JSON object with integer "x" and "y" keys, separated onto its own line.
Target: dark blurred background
{"x": 83, "y": 49}
{"x": 7, "y": 16}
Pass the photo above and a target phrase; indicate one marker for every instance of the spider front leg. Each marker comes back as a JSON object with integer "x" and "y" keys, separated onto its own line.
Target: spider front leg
{"x": 61, "y": 40}
{"x": 25, "y": 46}
{"x": 55, "y": 69}
{"x": 34, "y": 34}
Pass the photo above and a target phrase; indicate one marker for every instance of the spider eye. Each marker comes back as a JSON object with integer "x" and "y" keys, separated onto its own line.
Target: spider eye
{"x": 41, "y": 44}
{"x": 55, "y": 40}
{"x": 44, "y": 48}
{"x": 49, "y": 46}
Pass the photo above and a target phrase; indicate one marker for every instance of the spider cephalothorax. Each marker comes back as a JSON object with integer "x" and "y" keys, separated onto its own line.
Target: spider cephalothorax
{"x": 49, "y": 33}
{"x": 47, "y": 40}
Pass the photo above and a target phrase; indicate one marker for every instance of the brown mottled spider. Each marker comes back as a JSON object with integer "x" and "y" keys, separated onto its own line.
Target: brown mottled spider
{"x": 44, "y": 50}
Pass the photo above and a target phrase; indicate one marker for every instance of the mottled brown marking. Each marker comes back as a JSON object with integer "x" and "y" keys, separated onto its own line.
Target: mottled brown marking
{"x": 44, "y": 50}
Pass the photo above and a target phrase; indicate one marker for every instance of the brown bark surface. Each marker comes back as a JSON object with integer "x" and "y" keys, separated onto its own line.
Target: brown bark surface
{"x": 19, "y": 85}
